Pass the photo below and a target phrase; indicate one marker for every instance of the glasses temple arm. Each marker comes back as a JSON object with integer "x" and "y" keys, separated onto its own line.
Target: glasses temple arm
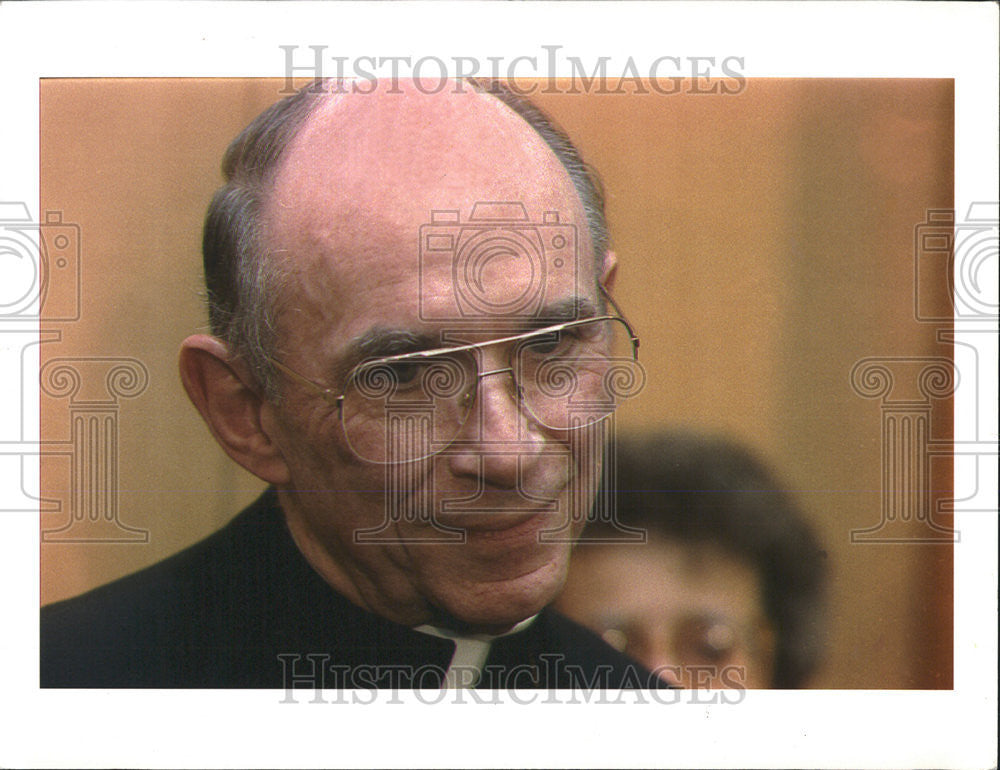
{"x": 326, "y": 393}
{"x": 628, "y": 325}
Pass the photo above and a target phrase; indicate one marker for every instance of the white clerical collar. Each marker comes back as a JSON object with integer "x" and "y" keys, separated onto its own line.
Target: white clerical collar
{"x": 471, "y": 652}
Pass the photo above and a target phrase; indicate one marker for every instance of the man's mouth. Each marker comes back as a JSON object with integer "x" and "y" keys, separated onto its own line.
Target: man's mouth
{"x": 499, "y": 522}
{"x": 502, "y": 510}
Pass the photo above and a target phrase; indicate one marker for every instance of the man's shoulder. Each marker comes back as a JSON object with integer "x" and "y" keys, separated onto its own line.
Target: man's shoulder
{"x": 168, "y": 606}
{"x": 192, "y": 569}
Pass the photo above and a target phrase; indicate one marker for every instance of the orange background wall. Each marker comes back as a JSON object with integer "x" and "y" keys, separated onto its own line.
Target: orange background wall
{"x": 766, "y": 241}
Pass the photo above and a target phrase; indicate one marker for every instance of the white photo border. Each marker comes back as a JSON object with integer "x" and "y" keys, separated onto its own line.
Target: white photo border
{"x": 239, "y": 728}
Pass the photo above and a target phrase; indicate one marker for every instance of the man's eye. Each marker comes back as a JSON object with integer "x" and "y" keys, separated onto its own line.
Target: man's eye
{"x": 542, "y": 347}
{"x": 553, "y": 344}
{"x": 404, "y": 373}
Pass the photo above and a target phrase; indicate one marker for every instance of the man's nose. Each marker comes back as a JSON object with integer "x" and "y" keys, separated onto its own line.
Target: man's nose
{"x": 499, "y": 434}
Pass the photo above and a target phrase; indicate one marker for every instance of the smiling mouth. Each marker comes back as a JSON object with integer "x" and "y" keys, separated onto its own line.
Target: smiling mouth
{"x": 514, "y": 530}
{"x": 491, "y": 513}
{"x": 499, "y": 522}
{"x": 501, "y": 512}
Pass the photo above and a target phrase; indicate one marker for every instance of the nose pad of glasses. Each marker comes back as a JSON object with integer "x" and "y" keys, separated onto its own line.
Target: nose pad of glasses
{"x": 468, "y": 398}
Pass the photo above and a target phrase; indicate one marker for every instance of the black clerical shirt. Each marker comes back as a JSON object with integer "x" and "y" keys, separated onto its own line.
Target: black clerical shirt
{"x": 244, "y": 609}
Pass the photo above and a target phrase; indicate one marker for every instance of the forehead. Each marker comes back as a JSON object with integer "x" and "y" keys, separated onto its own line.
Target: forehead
{"x": 390, "y": 204}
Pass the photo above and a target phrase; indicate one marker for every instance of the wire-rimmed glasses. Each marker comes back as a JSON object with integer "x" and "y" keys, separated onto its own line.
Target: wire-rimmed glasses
{"x": 408, "y": 407}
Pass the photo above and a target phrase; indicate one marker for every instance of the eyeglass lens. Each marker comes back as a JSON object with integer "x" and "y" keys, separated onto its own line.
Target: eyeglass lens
{"x": 407, "y": 409}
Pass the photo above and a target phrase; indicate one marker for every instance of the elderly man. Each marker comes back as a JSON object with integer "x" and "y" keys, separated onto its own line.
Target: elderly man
{"x": 413, "y": 338}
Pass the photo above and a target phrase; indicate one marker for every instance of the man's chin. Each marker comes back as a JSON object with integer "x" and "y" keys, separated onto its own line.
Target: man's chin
{"x": 496, "y": 608}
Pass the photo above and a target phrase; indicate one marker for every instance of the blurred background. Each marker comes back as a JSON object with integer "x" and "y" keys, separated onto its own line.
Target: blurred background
{"x": 767, "y": 240}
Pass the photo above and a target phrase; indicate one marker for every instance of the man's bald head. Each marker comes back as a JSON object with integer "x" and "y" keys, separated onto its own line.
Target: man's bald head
{"x": 377, "y": 130}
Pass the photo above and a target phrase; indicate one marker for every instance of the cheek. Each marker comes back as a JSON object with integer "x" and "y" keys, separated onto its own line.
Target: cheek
{"x": 587, "y": 466}
{"x": 311, "y": 438}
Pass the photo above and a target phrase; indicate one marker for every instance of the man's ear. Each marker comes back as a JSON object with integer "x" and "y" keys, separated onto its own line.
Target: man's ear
{"x": 610, "y": 271}
{"x": 220, "y": 388}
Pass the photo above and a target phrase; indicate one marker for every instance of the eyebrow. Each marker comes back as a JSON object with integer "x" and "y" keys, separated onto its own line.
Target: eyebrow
{"x": 573, "y": 308}
{"x": 382, "y": 342}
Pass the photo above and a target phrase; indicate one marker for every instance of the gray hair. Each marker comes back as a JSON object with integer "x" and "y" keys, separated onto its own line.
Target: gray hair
{"x": 242, "y": 283}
